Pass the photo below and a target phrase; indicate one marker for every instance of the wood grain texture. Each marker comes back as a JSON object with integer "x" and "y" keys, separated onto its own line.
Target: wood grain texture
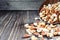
{"x": 20, "y": 4}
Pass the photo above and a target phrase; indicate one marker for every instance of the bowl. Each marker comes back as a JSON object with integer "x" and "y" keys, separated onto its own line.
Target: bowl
{"x": 49, "y": 11}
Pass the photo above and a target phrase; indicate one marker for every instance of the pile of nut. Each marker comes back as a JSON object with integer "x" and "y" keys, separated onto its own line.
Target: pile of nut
{"x": 50, "y": 13}
{"x": 40, "y": 29}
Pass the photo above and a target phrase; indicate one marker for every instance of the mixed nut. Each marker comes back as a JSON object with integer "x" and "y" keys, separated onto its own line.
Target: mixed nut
{"x": 50, "y": 13}
{"x": 41, "y": 29}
